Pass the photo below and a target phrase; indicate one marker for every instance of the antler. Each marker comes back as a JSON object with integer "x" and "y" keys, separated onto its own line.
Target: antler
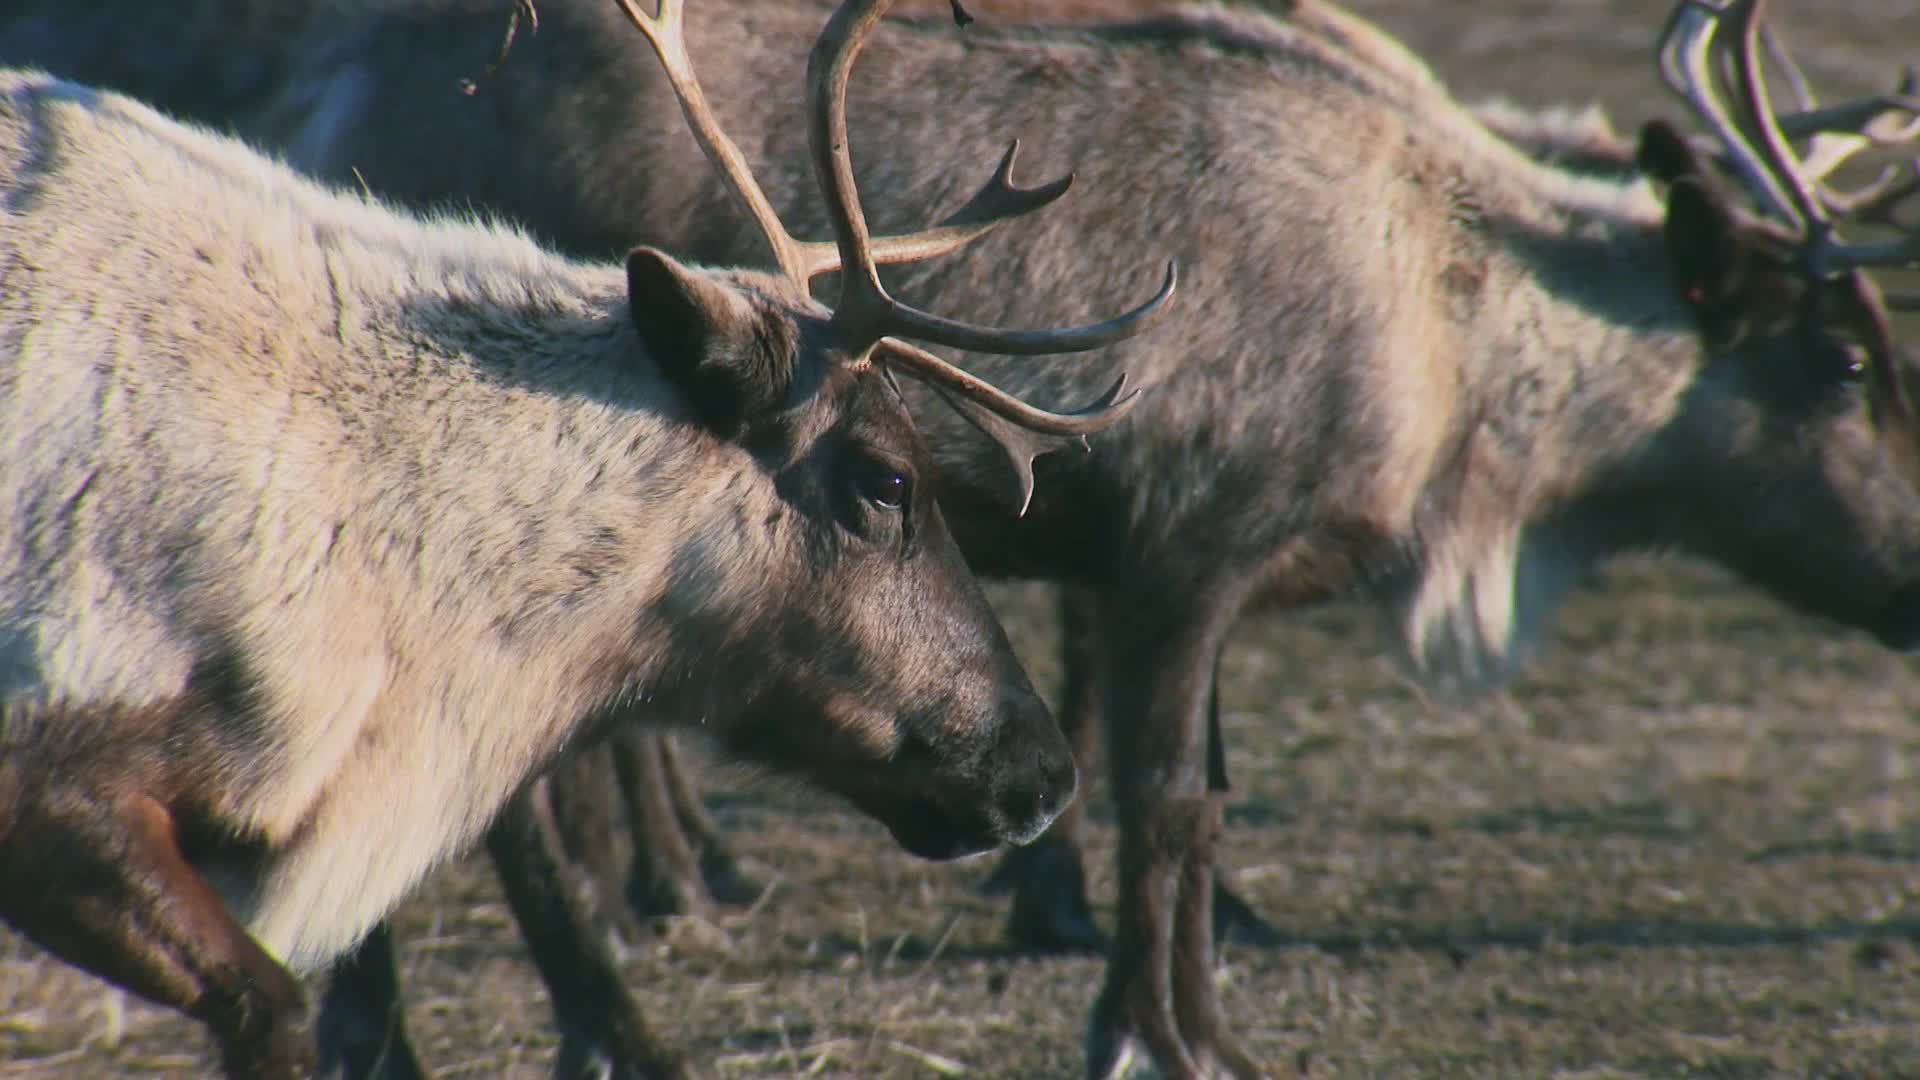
{"x": 1757, "y": 141}
{"x": 1837, "y": 133}
{"x": 800, "y": 260}
{"x": 1758, "y": 150}
{"x": 866, "y": 317}
{"x": 865, "y": 311}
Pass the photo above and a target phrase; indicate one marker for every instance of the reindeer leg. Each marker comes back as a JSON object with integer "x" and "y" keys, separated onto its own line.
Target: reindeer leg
{"x": 583, "y": 795}
{"x": 666, "y": 878}
{"x": 1050, "y": 911}
{"x": 98, "y": 879}
{"x": 1157, "y": 669}
{"x": 362, "y": 1025}
{"x": 602, "y": 1033}
{"x": 1233, "y": 918}
{"x": 1196, "y": 1007}
{"x": 727, "y": 882}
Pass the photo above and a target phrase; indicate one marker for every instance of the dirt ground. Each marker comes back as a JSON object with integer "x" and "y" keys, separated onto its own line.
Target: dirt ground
{"x": 1686, "y": 844}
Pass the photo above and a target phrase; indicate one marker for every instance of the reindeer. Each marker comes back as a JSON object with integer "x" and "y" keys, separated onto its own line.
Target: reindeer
{"x": 325, "y": 522}
{"x": 1472, "y": 375}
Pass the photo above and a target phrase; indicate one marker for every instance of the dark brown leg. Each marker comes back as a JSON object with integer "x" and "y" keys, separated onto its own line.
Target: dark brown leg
{"x": 98, "y": 879}
{"x": 584, "y": 795}
{"x": 1159, "y": 995}
{"x": 362, "y": 1024}
{"x": 1233, "y": 918}
{"x": 727, "y": 881}
{"x": 602, "y": 1033}
{"x": 666, "y": 877}
{"x": 1051, "y": 912}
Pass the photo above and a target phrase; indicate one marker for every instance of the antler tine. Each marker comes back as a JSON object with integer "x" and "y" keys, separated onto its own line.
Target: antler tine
{"x": 1686, "y": 60}
{"x": 802, "y": 261}
{"x": 1904, "y": 252}
{"x": 1875, "y": 203}
{"x": 666, "y": 33}
{"x": 1866, "y": 118}
{"x": 1874, "y": 123}
{"x": 918, "y": 362}
{"x": 1771, "y": 170}
{"x": 1775, "y": 151}
{"x": 1837, "y": 133}
{"x": 1818, "y": 204}
{"x": 1796, "y": 79}
{"x": 1023, "y": 432}
{"x": 865, "y": 312}
{"x": 1000, "y": 200}
{"x": 1816, "y": 207}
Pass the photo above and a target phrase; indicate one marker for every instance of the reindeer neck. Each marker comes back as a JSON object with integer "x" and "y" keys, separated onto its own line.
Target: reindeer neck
{"x": 1582, "y": 339}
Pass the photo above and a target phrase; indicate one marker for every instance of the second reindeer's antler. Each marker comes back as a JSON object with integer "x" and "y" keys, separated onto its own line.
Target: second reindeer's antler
{"x": 866, "y": 319}
{"x": 1719, "y": 76}
{"x": 1696, "y": 58}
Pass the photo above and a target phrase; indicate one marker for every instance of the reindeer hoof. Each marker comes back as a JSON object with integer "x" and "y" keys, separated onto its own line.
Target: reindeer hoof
{"x": 1234, "y": 920}
{"x": 1050, "y": 910}
{"x": 1013, "y": 868}
{"x": 659, "y": 896}
{"x": 728, "y": 883}
{"x": 588, "y": 1059}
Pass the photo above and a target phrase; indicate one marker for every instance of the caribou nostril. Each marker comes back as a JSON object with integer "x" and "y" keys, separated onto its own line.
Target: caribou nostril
{"x": 1063, "y": 779}
{"x": 1034, "y": 793}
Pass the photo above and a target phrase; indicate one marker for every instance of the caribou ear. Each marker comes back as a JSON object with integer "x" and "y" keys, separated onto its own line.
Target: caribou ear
{"x": 1703, "y": 240}
{"x": 1665, "y": 154}
{"x": 1702, "y": 232}
{"x": 1728, "y": 265}
{"x": 703, "y": 337}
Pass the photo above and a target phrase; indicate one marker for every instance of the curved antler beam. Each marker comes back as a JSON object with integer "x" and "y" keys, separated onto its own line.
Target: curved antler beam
{"x": 999, "y": 201}
{"x": 1107, "y": 410}
{"x": 893, "y": 318}
{"x": 1023, "y": 444}
{"x": 1686, "y": 66}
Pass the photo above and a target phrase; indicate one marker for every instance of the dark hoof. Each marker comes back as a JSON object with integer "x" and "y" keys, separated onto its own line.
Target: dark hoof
{"x": 351, "y": 1048}
{"x": 1013, "y": 868}
{"x": 727, "y": 882}
{"x": 659, "y": 896}
{"x": 1234, "y": 920}
{"x": 1050, "y": 910}
{"x": 588, "y": 1059}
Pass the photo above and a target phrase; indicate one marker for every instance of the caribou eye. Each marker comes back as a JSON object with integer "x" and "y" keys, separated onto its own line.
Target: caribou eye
{"x": 1853, "y": 362}
{"x": 1843, "y": 361}
{"x": 885, "y": 486}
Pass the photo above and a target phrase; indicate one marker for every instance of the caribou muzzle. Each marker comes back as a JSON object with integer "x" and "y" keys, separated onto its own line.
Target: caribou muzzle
{"x": 1007, "y": 794}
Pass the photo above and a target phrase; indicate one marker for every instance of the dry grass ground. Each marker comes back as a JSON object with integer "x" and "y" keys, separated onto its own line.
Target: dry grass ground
{"x": 1684, "y": 845}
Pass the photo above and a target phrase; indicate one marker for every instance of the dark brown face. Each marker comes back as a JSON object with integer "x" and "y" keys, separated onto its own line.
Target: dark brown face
{"x": 1800, "y": 493}
{"x": 825, "y": 621}
{"x": 1791, "y": 481}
